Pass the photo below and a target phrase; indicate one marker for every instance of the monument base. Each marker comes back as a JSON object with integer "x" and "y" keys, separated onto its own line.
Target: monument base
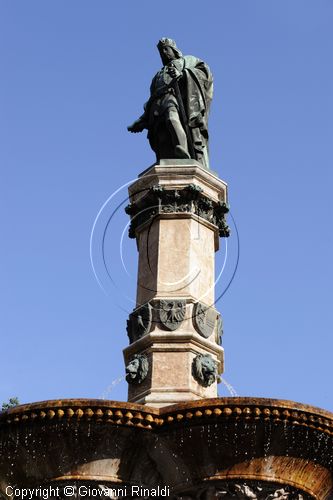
{"x": 177, "y": 211}
{"x": 172, "y": 376}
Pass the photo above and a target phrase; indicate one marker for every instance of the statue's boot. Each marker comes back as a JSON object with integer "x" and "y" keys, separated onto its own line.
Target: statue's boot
{"x": 181, "y": 152}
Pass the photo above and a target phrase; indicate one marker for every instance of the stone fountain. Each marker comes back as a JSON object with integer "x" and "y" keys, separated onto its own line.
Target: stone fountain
{"x": 174, "y": 437}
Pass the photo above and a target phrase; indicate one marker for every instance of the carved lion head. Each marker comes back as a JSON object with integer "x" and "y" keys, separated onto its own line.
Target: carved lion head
{"x": 137, "y": 369}
{"x": 204, "y": 369}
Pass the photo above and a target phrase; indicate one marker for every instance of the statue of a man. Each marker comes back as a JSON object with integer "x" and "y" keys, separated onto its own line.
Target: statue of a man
{"x": 176, "y": 114}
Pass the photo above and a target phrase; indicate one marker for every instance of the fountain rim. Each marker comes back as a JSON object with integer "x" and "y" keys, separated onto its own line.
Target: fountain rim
{"x": 125, "y": 413}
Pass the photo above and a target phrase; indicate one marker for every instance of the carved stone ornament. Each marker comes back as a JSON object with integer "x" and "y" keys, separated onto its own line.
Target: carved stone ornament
{"x": 204, "y": 319}
{"x": 219, "y": 329}
{"x": 204, "y": 369}
{"x": 254, "y": 490}
{"x": 160, "y": 201}
{"x": 172, "y": 313}
{"x": 137, "y": 369}
{"x": 139, "y": 322}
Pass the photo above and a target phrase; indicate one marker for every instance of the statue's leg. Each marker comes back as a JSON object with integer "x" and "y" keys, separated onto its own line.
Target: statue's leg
{"x": 179, "y": 140}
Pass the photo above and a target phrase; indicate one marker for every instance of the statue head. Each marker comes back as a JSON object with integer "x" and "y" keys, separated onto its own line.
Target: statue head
{"x": 137, "y": 369}
{"x": 168, "y": 50}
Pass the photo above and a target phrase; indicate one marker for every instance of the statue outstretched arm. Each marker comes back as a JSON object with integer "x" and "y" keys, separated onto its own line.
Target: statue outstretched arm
{"x": 139, "y": 125}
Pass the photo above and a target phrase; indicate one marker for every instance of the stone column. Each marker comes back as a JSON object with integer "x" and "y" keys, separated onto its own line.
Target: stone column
{"x": 177, "y": 213}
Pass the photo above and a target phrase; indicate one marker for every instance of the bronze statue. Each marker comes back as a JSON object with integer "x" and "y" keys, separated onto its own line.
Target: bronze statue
{"x": 176, "y": 114}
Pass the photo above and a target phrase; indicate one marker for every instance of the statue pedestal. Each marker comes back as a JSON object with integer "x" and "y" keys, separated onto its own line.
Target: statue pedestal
{"x": 177, "y": 215}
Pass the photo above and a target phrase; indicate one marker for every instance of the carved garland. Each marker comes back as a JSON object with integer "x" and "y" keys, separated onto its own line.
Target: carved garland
{"x": 159, "y": 201}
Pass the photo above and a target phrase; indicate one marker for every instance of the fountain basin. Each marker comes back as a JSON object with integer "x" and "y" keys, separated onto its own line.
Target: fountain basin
{"x": 201, "y": 446}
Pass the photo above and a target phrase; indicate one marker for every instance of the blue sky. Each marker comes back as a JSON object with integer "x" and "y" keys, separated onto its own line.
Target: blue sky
{"x": 74, "y": 75}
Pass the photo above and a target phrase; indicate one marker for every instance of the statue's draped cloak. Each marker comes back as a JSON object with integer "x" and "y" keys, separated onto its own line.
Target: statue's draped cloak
{"x": 196, "y": 87}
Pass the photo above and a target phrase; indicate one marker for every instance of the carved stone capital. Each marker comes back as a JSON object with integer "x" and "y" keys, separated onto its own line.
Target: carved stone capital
{"x": 190, "y": 199}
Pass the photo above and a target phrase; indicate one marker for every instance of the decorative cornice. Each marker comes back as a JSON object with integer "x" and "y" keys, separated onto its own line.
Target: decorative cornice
{"x": 249, "y": 413}
{"x": 165, "y": 170}
{"x": 171, "y": 341}
{"x": 83, "y": 411}
{"x": 160, "y": 201}
{"x": 246, "y": 409}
